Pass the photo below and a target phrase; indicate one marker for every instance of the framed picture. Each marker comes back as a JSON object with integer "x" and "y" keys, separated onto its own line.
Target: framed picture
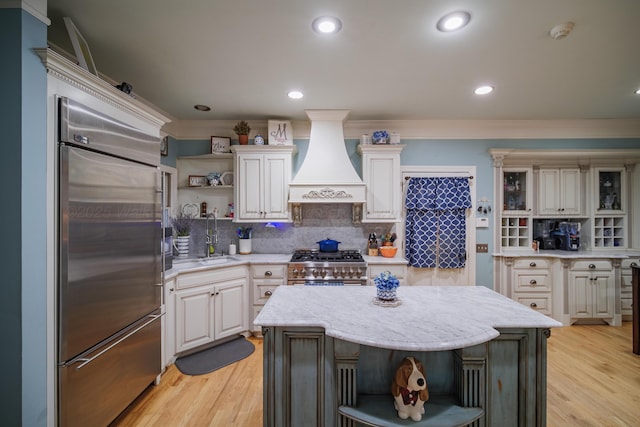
{"x": 280, "y": 132}
{"x": 80, "y": 47}
{"x": 197, "y": 180}
{"x": 220, "y": 144}
{"x": 164, "y": 146}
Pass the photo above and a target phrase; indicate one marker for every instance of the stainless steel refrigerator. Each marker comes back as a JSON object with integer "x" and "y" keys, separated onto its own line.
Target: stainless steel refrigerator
{"x": 109, "y": 265}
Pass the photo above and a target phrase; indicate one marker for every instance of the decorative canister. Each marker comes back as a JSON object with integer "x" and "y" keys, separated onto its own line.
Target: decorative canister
{"x": 258, "y": 140}
{"x": 386, "y": 294}
{"x": 365, "y": 139}
{"x": 394, "y": 138}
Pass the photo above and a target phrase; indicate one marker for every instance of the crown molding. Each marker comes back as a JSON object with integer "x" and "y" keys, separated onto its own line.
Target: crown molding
{"x": 65, "y": 70}
{"x": 431, "y": 129}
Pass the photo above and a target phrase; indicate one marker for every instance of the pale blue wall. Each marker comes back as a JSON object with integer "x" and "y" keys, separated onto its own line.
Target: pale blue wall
{"x": 23, "y": 168}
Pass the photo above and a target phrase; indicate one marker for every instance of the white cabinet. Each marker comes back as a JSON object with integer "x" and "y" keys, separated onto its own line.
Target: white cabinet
{"x": 169, "y": 323}
{"x": 382, "y": 177}
{"x": 193, "y": 171}
{"x": 531, "y": 284}
{"x": 610, "y": 222}
{"x": 263, "y": 174}
{"x": 398, "y": 270}
{"x": 210, "y": 305}
{"x": 265, "y": 278}
{"x": 516, "y": 194}
{"x": 626, "y": 293}
{"x": 559, "y": 192}
{"x": 591, "y": 290}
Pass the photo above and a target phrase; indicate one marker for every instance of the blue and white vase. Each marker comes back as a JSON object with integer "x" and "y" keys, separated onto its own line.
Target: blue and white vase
{"x": 386, "y": 294}
{"x": 258, "y": 140}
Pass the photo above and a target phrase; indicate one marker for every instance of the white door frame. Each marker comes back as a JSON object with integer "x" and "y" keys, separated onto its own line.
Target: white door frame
{"x": 467, "y": 275}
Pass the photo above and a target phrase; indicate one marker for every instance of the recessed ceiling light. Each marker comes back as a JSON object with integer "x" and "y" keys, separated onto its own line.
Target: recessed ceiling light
{"x": 637, "y": 92}
{"x": 453, "y": 21}
{"x": 326, "y": 25}
{"x": 201, "y": 107}
{"x": 483, "y": 90}
{"x": 295, "y": 94}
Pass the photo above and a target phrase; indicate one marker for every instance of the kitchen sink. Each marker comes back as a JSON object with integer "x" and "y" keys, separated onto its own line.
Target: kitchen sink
{"x": 202, "y": 262}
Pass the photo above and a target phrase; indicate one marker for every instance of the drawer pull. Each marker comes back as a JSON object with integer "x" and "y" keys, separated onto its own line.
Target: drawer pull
{"x": 533, "y": 305}
{"x": 533, "y": 264}
{"x": 268, "y": 293}
{"x": 592, "y": 266}
{"x": 533, "y": 282}
{"x": 268, "y": 273}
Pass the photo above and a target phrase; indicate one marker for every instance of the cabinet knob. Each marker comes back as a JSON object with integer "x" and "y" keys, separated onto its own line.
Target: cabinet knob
{"x": 533, "y": 282}
{"x": 268, "y": 293}
{"x": 592, "y": 266}
{"x": 533, "y": 264}
{"x": 533, "y": 305}
{"x": 268, "y": 273}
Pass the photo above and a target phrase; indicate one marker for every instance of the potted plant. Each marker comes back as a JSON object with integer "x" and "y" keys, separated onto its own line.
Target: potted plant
{"x": 242, "y": 129}
{"x": 386, "y": 286}
{"x": 182, "y": 225}
{"x": 388, "y": 239}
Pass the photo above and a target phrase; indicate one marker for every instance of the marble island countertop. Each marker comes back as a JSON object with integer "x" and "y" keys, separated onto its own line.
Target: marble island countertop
{"x": 429, "y": 318}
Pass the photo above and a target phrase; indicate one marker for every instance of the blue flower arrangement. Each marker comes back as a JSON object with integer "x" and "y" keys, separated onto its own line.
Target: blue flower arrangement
{"x": 380, "y": 137}
{"x": 386, "y": 285}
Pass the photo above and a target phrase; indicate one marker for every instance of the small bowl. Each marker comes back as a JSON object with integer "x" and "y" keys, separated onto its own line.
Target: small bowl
{"x": 388, "y": 251}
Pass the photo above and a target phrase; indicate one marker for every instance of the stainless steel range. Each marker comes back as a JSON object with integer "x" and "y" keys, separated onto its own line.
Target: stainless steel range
{"x": 312, "y": 267}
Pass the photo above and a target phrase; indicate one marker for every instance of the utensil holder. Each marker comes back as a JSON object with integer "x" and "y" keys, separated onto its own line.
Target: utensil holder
{"x": 244, "y": 246}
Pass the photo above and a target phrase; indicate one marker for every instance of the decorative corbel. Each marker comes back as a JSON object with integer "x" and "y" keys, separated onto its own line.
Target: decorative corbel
{"x": 297, "y": 214}
{"x": 356, "y": 213}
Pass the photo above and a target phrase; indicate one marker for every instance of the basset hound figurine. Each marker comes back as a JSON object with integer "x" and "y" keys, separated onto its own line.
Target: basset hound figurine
{"x": 409, "y": 389}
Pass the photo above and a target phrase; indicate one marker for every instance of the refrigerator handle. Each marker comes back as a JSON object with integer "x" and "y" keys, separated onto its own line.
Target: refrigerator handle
{"x": 86, "y": 361}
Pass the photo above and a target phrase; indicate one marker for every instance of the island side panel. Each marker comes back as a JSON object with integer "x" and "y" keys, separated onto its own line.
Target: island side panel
{"x": 299, "y": 378}
{"x": 517, "y": 378}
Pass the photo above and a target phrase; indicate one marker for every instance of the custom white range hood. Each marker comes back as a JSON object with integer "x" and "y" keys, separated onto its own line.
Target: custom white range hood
{"x": 326, "y": 174}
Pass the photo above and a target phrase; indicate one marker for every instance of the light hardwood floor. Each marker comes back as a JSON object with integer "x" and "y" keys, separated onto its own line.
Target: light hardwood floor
{"x": 593, "y": 380}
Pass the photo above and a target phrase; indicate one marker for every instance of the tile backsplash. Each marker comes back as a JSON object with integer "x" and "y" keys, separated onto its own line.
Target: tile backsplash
{"x": 319, "y": 222}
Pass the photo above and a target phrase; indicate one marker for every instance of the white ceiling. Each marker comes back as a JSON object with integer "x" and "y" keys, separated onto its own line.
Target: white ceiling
{"x": 389, "y": 62}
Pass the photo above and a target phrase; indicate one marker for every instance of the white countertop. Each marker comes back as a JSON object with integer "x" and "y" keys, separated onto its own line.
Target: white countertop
{"x": 429, "y": 318}
{"x": 384, "y": 260}
{"x": 614, "y": 254}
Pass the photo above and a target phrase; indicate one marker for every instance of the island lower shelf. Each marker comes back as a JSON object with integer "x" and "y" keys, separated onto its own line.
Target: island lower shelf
{"x": 442, "y": 410}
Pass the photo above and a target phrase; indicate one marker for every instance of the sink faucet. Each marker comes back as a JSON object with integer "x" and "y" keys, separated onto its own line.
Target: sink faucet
{"x": 211, "y": 237}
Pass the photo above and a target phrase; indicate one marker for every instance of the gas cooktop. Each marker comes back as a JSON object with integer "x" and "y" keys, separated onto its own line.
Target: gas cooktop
{"x": 310, "y": 255}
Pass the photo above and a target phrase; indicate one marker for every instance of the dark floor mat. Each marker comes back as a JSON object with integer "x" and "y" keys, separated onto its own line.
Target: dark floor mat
{"x": 213, "y": 358}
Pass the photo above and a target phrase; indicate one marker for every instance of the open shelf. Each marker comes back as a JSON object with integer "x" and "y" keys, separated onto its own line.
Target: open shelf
{"x": 514, "y": 232}
{"x": 441, "y": 410}
{"x": 608, "y": 232}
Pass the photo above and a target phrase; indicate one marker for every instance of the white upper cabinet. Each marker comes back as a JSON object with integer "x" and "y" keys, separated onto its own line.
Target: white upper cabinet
{"x": 559, "y": 192}
{"x": 516, "y": 191}
{"x": 263, "y": 174}
{"x": 383, "y": 179}
{"x": 609, "y": 185}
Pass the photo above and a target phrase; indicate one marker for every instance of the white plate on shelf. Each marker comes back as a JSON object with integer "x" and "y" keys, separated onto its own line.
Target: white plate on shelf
{"x": 226, "y": 178}
{"x": 190, "y": 209}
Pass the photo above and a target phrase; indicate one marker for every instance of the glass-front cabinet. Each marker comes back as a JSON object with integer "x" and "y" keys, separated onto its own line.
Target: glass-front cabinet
{"x": 609, "y": 185}
{"x": 516, "y": 191}
{"x": 609, "y": 222}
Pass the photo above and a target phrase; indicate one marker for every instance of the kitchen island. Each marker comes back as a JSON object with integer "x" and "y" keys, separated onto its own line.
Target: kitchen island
{"x": 330, "y": 354}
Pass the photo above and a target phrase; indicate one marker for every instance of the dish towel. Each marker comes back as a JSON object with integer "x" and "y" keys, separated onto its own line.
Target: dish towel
{"x": 436, "y": 222}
